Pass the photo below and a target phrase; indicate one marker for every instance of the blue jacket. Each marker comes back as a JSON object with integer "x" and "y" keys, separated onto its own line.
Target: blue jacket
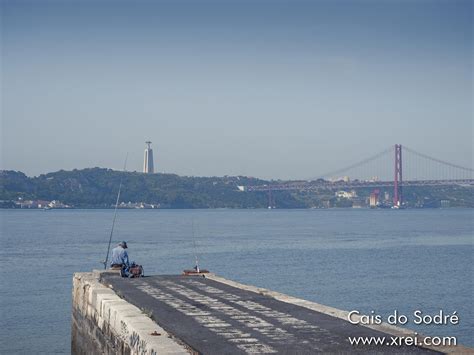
{"x": 119, "y": 256}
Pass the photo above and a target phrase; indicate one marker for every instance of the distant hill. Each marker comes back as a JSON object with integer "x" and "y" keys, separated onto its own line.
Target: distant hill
{"x": 97, "y": 188}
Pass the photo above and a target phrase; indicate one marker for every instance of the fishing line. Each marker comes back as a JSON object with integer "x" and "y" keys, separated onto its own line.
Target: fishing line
{"x": 194, "y": 244}
{"x": 115, "y": 212}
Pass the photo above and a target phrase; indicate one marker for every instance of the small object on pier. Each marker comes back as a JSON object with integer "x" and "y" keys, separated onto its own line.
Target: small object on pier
{"x": 195, "y": 271}
{"x": 132, "y": 271}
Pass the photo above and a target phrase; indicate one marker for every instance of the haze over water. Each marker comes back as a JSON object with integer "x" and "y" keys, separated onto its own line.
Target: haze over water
{"x": 365, "y": 260}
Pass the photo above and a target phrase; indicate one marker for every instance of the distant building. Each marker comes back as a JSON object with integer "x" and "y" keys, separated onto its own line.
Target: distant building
{"x": 346, "y": 194}
{"x": 57, "y": 204}
{"x": 341, "y": 178}
{"x": 148, "y": 161}
{"x": 445, "y": 203}
{"x": 41, "y": 203}
{"x": 374, "y": 199}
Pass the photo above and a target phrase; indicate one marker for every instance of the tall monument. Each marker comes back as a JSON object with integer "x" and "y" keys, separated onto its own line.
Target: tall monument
{"x": 148, "y": 161}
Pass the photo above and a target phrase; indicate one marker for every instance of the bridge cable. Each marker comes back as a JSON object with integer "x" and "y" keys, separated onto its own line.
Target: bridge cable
{"x": 437, "y": 160}
{"x": 355, "y": 165}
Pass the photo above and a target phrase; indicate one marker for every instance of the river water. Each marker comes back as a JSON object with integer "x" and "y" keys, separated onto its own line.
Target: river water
{"x": 365, "y": 260}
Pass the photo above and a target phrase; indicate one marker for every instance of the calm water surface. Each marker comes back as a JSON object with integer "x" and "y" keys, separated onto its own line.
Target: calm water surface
{"x": 379, "y": 260}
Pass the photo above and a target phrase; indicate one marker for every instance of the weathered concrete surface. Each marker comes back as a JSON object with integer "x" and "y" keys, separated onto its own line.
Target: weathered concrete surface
{"x": 385, "y": 328}
{"x": 213, "y": 315}
{"x": 104, "y": 323}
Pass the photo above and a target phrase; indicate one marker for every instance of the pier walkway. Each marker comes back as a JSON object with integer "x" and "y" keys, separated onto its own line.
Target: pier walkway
{"x": 212, "y": 316}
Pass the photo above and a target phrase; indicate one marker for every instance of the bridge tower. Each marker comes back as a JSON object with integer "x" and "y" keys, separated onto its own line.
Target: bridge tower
{"x": 397, "y": 185}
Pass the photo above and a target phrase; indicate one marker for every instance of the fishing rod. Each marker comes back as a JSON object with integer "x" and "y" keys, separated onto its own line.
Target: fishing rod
{"x": 196, "y": 270}
{"x": 115, "y": 212}
{"x": 195, "y": 249}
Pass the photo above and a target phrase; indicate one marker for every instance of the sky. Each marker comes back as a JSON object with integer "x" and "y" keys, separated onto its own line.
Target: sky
{"x": 271, "y": 89}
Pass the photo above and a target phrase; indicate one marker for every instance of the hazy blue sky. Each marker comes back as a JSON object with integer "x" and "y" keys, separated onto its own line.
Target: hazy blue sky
{"x": 283, "y": 89}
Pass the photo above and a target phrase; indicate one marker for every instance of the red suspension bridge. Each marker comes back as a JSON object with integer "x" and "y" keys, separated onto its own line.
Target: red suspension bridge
{"x": 393, "y": 167}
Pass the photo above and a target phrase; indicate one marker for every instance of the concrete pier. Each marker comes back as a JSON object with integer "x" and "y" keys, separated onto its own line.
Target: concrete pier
{"x": 104, "y": 323}
{"x": 212, "y": 315}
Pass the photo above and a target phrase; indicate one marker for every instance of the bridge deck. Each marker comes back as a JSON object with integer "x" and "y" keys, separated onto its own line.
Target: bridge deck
{"x": 214, "y": 318}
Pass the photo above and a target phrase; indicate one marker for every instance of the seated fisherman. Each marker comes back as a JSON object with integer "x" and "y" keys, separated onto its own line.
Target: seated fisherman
{"x": 120, "y": 262}
{"x": 120, "y": 256}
